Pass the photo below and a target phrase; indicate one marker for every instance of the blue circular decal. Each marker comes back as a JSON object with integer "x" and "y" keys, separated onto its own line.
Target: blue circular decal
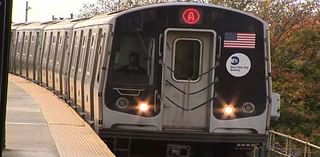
{"x": 238, "y": 65}
{"x": 234, "y": 60}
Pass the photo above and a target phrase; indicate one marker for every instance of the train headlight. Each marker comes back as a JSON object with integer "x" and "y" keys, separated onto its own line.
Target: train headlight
{"x": 143, "y": 107}
{"x": 122, "y": 103}
{"x": 248, "y": 107}
{"x": 228, "y": 110}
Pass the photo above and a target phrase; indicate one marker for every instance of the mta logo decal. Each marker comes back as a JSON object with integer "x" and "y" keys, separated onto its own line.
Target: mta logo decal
{"x": 235, "y": 60}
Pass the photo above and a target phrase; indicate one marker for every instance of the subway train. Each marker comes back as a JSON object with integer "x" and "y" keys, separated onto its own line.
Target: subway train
{"x": 190, "y": 79}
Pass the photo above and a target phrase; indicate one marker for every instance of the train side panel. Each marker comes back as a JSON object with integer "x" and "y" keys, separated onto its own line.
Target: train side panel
{"x": 21, "y": 35}
{"x": 99, "y": 33}
{"x": 35, "y": 43}
{"x": 52, "y": 58}
{"x": 69, "y": 61}
{"x": 13, "y": 48}
{"x": 65, "y": 64}
{"x": 47, "y": 40}
{"x": 25, "y": 54}
{"x": 101, "y": 74}
{"x": 63, "y": 50}
{"x": 74, "y": 66}
{"x": 82, "y": 65}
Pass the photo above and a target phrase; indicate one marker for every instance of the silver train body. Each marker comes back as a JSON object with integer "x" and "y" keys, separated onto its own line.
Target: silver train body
{"x": 205, "y": 71}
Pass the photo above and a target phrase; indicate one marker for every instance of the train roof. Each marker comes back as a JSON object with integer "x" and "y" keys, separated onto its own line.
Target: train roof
{"x": 96, "y": 20}
{"x": 14, "y": 26}
{"x": 117, "y": 14}
{"x": 111, "y": 17}
{"x": 65, "y": 24}
{"x": 35, "y": 25}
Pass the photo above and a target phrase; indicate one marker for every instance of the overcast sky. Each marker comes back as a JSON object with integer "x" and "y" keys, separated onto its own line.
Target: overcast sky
{"x": 42, "y": 10}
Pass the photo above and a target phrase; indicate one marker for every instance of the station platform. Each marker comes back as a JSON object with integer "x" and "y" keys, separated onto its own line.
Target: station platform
{"x": 39, "y": 124}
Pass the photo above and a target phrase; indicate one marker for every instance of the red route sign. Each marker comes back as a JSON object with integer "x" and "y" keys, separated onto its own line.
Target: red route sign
{"x": 191, "y": 16}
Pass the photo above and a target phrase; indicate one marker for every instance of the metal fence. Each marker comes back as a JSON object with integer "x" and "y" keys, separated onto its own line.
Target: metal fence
{"x": 281, "y": 145}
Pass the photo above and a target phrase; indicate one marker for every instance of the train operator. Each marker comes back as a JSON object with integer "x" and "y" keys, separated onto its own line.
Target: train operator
{"x": 133, "y": 64}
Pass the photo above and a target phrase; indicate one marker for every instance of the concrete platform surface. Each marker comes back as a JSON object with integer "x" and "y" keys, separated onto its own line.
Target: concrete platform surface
{"x": 39, "y": 124}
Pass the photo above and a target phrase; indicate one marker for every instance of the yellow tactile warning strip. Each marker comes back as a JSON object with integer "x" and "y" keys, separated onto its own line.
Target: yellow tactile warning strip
{"x": 73, "y": 136}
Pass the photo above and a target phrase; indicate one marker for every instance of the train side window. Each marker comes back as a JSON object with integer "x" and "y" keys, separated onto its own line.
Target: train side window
{"x": 43, "y": 45}
{"x": 26, "y": 37}
{"x": 39, "y": 39}
{"x": 59, "y": 49}
{"x": 92, "y": 40}
{"x": 81, "y": 54}
{"x": 75, "y": 51}
{"x": 18, "y": 36}
{"x": 65, "y": 39}
{"x": 54, "y": 39}
{"x": 84, "y": 40}
{"x": 47, "y": 48}
{"x": 32, "y": 38}
{"x": 91, "y": 56}
{"x": 60, "y": 40}
{"x": 69, "y": 60}
{"x": 187, "y": 59}
{"x": 99, "y": 62}
{"x": 102, "y": 44}
{"x": 22, "y": 37}
{"x": 37, "y": 45}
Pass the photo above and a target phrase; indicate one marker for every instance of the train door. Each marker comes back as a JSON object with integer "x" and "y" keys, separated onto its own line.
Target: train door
{"x": 19, "y": 52}
{"x": 100, "y": 75}
{"x": 94, "y": 52}
{"x": 35, "y": 50}
{"x": 65, "y": 63}
{"x": 63, "y": 42}
{"x": 32, "y": 51}
{"x": 45, "y": 59}
{"x": 12, "y": 49}
{"x": 82, "y": 67}
{"x": 74, "y": 67}
{"x": 40, "y": 58}
{"x": 25, "y": 54}
{"x": 68, "y": 61}
{"x": 188, "y": 74}
{"x": 52, "y": 59}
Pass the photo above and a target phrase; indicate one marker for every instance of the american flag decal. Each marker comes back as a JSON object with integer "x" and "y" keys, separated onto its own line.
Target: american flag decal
{"x": 240, "y": 40}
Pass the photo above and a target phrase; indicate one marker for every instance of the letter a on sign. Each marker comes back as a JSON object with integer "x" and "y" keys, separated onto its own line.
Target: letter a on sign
{"x": 191, "y": 16}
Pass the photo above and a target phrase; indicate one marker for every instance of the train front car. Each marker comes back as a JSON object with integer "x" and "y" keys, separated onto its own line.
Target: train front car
{"x": 187, "y": 75}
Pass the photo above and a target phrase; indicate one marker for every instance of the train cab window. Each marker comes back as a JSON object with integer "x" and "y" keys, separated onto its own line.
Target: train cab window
{"x": 133, "y": 61}
{"x": 186, "y": 60}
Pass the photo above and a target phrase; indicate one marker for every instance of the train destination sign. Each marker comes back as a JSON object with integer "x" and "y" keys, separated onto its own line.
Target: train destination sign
{"x": 191, "y": 16}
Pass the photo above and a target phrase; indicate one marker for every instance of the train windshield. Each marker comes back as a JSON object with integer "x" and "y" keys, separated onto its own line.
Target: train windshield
{"x": 133, "y": 60}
